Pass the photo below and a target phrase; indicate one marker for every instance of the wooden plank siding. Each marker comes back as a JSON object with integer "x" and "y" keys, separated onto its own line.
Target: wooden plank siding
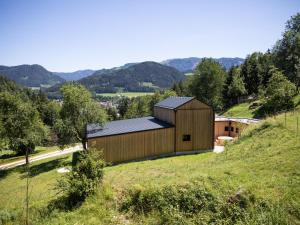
{"x": 196, "y": 119}
{"x": 132, "y": 146}
{"x": 167, "y": 115}
{"x": 197, "y": 123}
{"x": 220, "y": 128}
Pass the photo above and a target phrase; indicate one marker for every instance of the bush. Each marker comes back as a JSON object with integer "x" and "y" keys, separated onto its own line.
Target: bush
{"x": 186, "y": 198}
{"x": 84, "y": 179}
{"x": 7, "y": 216}
{"x": 194, "y": 204}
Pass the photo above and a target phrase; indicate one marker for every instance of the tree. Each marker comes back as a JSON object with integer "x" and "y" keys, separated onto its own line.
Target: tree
{"x": 287, "y": 50}
{"x": 112, "y": 113}
{"x": 207, "y": 83}
{"x": 234, "y": 87}
{"x": 122, "y": 107}
{"x": 21, "y": 125}
{"x": 51, "y": 113}
{"x": 180, "y": 88}
{"x": 138, "y": 107}
{"x": 78, "y": 109}
{"x": 279, "y": 93}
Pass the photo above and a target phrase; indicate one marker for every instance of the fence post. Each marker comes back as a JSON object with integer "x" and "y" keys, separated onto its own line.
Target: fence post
{"x": 285, "y": 119}
{"x": 297, "y": 125}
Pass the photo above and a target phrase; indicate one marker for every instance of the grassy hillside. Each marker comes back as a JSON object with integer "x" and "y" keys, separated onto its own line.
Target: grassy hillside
{"x": 240, "y": 110}
{"x": 255, "y": 181}
{"x": 244, "y": 109}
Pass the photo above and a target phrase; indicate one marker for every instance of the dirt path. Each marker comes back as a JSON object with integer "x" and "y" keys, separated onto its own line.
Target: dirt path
{"x": 40, "y": 157}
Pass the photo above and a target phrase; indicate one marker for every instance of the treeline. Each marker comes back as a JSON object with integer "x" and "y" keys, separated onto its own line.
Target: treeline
{"x": 128, "y": 108}
{"x": 272, "y": 77}
{"x": 28, "y": 118}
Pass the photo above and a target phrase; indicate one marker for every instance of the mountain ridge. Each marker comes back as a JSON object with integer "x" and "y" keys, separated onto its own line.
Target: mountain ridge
{"x": 30, "y": 75}
{"x": 37, "y": 76}
{"x": 144, "y": 76}
{"x": 186, "y": 65}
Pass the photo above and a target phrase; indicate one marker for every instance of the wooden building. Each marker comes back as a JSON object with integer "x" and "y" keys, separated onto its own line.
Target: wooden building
{"x": 179, "y": 125}
{"x": 231, "y": 127}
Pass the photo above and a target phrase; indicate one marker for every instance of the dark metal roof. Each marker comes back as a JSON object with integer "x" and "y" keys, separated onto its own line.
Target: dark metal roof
{"x": 125, "y": 126}
{"x": 173, "y": 102}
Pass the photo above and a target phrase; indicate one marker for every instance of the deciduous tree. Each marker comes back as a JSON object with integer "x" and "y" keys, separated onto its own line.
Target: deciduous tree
{"x": 78, "y": 109}
{"x": 21, "y": 125}
{"x": 207, "y": 83}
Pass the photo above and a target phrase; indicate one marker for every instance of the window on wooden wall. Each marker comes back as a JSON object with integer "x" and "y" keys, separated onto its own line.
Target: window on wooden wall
{"x": 186, "y": 137}
{"x": 227, "y": 128}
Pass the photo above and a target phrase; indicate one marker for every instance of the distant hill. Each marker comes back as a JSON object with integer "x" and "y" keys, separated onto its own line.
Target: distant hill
{"x": 188, "y": 64}
{"x": 68, "y": 76}
{"x": 145, "y": 76}
{"x": 30, "y": 75}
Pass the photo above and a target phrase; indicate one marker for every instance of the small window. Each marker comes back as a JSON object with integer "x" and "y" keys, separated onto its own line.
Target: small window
{"x": 232, "y": 129}
{"x": 186, "y": 137}
{"x": 237, "y": 130}
{"x": 226, "y": 128}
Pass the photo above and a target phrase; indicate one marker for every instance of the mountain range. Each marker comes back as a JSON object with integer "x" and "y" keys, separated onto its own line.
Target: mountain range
{"x": 143, "y": 76}
{"x": 187, "y": 65}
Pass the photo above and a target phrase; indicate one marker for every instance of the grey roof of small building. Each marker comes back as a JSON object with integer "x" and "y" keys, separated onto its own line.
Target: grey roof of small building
{"x": 173, "y": 102}
{"x": 125, "y": 126}
{"x": 236, "y": 119}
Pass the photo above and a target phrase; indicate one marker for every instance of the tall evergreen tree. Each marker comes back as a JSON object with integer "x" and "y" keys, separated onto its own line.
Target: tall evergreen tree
{"x": 287, "y": 50}
{"x": 234, "y": 87}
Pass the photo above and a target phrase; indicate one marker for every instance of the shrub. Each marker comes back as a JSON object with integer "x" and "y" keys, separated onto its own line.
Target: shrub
{"x": 189, "y": 198}
{"x": 194, "y": 204}
{"x": 7, "y": 216}
{"x": 84, "y": 179}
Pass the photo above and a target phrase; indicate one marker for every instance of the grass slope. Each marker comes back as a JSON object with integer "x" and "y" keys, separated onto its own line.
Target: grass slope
{"x": 264, "y": 162}
{"x": 244, "y": 110}
{"x": 240, "y": 110}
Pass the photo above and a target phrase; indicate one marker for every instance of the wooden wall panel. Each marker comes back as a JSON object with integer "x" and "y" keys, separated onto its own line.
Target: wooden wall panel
{"x": 220, "y": 128}
{"x": 199, "y": 124}
{"x": 126, "y": 147}
{"x": 167, "y": 115}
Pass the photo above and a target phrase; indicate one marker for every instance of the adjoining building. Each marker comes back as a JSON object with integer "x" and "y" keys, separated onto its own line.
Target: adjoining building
{"x": 179, "y": 125}
{"x": 230, "y": 126}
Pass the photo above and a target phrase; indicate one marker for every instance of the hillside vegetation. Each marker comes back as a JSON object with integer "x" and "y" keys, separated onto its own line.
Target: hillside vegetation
{"x": 145, "y": 76}
{"x": 30, "y": 75}
{"x": 255, "y": 181}
{"x": 248, "y": 110}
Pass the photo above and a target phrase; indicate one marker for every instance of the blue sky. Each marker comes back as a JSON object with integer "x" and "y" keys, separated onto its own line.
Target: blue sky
{"x": 68, "y": 35}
